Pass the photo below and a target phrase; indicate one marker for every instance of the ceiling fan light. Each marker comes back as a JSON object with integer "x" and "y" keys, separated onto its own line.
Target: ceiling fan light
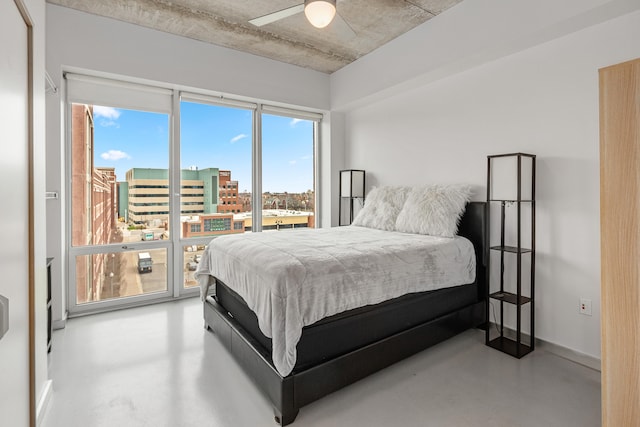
{"x": 320, "y": 13}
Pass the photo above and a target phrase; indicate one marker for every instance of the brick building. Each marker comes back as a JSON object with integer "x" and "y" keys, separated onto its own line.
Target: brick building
{"x": 229, "y": 196}
{"x": 94, "y": 205}
{"x": 211, "y": 225}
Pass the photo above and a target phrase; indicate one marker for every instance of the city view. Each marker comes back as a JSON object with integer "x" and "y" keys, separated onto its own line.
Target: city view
{"x": 120, "y": 185}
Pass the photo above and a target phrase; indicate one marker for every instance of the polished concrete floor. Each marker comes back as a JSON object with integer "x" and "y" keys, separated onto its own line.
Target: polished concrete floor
{"x": 157, "y": 366}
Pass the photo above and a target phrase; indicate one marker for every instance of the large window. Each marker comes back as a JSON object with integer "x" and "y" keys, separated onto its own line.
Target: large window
{"x": 216, "y": 143}
{"x": 288, "y": 174}
{"x": 119, "y": 164}
{"x": 117, "y": 155}
{"x": 118, "y": 159}
{"x": 137, "y": 185}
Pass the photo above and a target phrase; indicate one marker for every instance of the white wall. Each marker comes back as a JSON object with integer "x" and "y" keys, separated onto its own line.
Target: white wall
{"x": 542, "y": 100}
{"x": 15, "y": 351}
{"x": 81, "y": 41}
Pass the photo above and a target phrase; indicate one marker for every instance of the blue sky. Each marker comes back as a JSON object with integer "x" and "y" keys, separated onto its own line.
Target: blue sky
{"x": 211, "y": 136}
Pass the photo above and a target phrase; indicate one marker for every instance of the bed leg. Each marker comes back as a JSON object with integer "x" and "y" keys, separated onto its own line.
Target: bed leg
{"x": 286, "y": 418}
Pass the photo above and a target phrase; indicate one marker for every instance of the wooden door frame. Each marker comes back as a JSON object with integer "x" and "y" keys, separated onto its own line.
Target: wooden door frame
{"x": 620, "y": 242}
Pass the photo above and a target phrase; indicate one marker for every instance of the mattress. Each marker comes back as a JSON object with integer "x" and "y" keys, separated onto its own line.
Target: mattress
{"x": 293, "y": 279}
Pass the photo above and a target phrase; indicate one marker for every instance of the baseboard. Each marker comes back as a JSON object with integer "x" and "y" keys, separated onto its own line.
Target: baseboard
{"x": 43, "y": 401}
{"x": 59, "y": 324}
{"x": 558, "y": 350}
{"x": 570, "y": 354}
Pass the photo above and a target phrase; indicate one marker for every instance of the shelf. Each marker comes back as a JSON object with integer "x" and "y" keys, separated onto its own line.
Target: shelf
{"x": 49, "y": 307}
{"x": 511, "y": 193}
{"x": 510, "y": 347}
{"x": 512, "y": 249}
{"x": 509, "y": 297}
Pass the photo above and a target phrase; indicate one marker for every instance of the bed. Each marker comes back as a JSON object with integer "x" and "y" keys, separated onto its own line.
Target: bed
{"x": 347, "y": 345}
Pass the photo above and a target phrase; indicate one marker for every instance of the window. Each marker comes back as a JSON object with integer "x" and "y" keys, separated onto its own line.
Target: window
{"x": 216, "y": 147}
{"x": 125, "y": 189}
{"x": 288, "y": 169}
{"x": 107, "y": 120}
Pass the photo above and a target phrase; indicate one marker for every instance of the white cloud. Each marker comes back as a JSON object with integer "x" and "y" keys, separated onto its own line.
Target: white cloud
{"x": 115, "y": 155}
{"x": 295, "y": 161}
{"x": 238, "y": 138}
{"x": 108, "y": 123}
{"x": 109, "y": 113}
{"x": 109, "y": 116}
{"x": 295, "y": 122}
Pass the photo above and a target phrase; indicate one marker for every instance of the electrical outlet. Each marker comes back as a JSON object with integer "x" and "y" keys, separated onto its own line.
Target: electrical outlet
{"x": 585, "y": 306}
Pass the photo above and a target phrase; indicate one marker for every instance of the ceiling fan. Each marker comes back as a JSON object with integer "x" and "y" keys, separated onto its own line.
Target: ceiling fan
{"x": 320, "y": 13}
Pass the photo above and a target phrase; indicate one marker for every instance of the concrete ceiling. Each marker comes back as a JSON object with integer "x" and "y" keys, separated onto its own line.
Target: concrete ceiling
{"x": 292, "y": 40}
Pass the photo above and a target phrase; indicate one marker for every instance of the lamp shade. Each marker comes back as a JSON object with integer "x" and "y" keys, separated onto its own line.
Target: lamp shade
{"x": 352, "y": 183}
{"x": 505, "y": 182}
{"x": 320, "y": 13}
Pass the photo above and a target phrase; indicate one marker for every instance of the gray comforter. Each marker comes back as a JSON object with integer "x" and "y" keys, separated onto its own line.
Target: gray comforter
{"x": 292, "y": 279}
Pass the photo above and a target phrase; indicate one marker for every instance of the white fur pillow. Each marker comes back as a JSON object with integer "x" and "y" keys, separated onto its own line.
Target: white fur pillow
{"x": 434, "y": 210}
{"x": 381, "y": 207}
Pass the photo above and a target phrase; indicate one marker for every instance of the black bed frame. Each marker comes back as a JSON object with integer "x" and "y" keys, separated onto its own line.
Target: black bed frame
{"x": 297, "y": 389}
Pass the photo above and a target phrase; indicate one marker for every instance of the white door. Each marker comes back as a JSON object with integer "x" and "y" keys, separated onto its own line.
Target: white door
{"x": 14, "y": 216}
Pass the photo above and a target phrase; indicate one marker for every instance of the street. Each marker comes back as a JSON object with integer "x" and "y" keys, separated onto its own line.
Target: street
{"x": 127, "y": 281}
{"x": 131, "y": 281}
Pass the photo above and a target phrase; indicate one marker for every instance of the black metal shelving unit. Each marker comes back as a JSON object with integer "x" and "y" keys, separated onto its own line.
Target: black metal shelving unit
{"x": 512, "y": 293}
{"x": 49, "y": 312}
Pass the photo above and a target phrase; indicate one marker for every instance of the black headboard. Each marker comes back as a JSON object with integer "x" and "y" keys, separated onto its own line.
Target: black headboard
{"x": 473, "y": 226}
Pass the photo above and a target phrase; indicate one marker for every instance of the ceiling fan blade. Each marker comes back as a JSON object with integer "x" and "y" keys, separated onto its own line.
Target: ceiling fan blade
{"x": 341, "y": 27}
{"x": 276, "y": 16}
